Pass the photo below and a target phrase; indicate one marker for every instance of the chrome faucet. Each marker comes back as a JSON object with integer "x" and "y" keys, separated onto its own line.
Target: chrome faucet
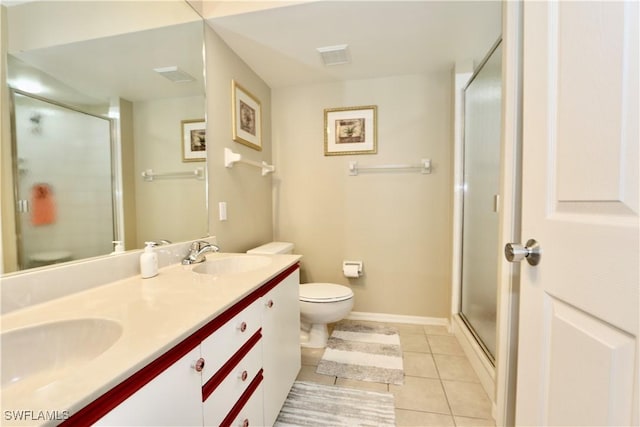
{"x": 197, "y": 252}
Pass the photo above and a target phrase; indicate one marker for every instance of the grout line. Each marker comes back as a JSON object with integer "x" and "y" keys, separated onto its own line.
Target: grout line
{"x": 446, "y": 397}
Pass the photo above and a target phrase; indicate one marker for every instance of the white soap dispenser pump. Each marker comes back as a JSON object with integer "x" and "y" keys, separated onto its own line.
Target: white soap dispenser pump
{"x": 118, "y": 247}
{"x": 148, "y": 261}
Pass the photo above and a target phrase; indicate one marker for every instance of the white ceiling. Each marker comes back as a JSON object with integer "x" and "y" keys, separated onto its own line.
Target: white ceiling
{"x": 384, "y": 37}
{"x": 115, "y": 66}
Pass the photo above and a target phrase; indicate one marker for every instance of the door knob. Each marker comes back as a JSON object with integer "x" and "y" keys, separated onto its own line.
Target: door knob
{"x": 515, "y": 252}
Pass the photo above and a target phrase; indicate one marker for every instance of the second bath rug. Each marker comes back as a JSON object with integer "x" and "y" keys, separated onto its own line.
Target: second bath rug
{"x": 364, "y": 352}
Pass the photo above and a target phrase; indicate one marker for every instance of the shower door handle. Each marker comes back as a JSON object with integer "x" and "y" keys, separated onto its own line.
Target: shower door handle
{"x": 515, "y": 252}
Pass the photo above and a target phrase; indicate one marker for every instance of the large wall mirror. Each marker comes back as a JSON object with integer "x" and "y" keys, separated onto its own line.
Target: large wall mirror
{"x": 105, "y": 128}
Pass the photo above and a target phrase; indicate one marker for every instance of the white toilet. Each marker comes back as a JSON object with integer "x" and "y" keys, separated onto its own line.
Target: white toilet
{"x": 320, "y": 303}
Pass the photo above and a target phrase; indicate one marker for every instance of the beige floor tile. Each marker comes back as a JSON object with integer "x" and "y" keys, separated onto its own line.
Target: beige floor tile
{"x": 467, "y": 399}
{"x": 419, "y": 365}
{"x": 308, "y": 373}
{"x": 436, "y": 330}
{"x": 420, "y": 394}
{"x": 406, "y": 328}
{"x": 422, "y": 419}
{"x": 473, "y": 422}
{"x": 362, "y": 385}
{"x": 311, "y": 356}
{"x": 442, "y": 344}
{"x": 455, "y": 368}
{"x": 415, "y": 342}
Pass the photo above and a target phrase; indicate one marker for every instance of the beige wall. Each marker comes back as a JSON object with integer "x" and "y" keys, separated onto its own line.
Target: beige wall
{"x": 173, "y": 209}
{"x": 246, "y": 192}
{"x": 398, "y": 224}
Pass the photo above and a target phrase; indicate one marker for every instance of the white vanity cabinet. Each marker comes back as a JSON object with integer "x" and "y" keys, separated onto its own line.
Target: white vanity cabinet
{"x": 280, "y": 343}
{"x": 172, "y": 398}
{"x": 234, "y": 371}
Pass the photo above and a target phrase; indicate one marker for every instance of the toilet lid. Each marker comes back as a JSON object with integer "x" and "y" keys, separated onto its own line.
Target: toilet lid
{"x": 324, "y": 292}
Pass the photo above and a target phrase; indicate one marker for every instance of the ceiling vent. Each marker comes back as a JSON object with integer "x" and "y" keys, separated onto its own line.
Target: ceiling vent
{"x": 334, "y": 55}
{"x": 174, "y": 74}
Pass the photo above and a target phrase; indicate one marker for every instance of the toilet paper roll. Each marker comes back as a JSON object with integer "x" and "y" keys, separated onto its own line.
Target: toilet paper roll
{"x": 350, "y": 270}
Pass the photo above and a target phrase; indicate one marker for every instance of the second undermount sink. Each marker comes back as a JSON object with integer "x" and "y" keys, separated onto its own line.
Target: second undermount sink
{"x": 232, "y": 265}
{"x": 49, "y": 350}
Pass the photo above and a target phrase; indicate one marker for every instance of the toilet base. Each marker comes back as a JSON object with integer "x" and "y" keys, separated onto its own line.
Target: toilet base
{"x": 313, "y": 335}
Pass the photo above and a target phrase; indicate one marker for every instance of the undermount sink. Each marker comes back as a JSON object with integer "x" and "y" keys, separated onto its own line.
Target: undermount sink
{"x": 232, "y": 265}
{"x": 49, "y": 350}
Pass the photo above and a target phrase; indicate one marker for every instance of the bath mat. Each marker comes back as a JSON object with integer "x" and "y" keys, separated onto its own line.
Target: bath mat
{"x": 311, "y": 404}
{"x": 363, "y": 352}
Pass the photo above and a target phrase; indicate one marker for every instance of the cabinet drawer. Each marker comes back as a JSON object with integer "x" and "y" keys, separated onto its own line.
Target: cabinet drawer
{"x": 227, "y": 394}
{"x": 251, "y": 414}
{"x": 223, "y": 343}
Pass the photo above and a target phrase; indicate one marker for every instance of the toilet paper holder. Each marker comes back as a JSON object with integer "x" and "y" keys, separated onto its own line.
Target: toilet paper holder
{"x": 350, "y": 267}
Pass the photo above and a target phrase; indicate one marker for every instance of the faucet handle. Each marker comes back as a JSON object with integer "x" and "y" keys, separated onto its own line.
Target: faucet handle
{"x": 198, "y": 244}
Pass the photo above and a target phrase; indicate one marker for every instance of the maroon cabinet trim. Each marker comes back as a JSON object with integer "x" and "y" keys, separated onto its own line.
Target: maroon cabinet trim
{"x": 229, "y": 365}
{"x": 243, "y": 400}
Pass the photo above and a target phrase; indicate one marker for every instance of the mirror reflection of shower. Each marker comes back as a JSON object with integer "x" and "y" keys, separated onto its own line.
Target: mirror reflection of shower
{"x": 63, "y": 182}
{"x": 479, "y": 275}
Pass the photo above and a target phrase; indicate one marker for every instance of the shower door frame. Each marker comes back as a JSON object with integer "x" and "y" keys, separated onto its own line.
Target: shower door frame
{"x": 490, "y": 357}
{"x": 115, "y": 200}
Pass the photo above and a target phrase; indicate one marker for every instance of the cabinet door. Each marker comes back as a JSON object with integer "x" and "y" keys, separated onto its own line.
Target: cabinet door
{"x": 173, "y": 398}
{"x": 280, "y": 343}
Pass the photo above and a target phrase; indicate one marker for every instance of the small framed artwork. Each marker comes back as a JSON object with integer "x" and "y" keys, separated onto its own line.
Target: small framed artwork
{"x": 194, "y": 141}
{"x": 350, "y": 130}
{"x": 247, "y": 117}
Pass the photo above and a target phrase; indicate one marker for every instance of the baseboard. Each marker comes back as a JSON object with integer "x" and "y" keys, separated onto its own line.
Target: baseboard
{"x": 398, "y": 318}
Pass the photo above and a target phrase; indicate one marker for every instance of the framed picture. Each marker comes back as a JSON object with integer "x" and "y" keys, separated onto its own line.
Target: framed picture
{"x": 194, "y": 142}
{"x": 247, "y": 117}
{"x": 351, "y": 130}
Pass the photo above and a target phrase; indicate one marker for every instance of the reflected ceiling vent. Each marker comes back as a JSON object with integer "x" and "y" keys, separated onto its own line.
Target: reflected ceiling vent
{"x": 174, "y": 74}
{"x": 334, "y": 55}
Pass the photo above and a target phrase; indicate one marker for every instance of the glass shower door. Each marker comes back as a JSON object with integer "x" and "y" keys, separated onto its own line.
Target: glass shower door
{"x": 63, "y": 183}
{"x": 482, "y": 124}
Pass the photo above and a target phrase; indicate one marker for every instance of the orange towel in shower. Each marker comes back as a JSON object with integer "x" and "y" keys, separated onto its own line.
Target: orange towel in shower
{"x": 43, "y": 206}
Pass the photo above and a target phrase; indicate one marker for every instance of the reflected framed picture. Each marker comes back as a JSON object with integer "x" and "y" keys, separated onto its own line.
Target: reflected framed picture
{"x": 247, "y": 117}
{"x": 194, "y": 141}
{"x": 350, "y": 130}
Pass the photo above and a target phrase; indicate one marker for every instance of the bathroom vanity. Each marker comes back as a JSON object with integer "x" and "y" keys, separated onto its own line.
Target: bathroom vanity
{"x": 219, "y": 346}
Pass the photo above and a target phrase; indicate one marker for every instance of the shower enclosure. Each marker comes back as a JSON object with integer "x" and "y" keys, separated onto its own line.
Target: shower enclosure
{"x": 63, "y": 182}
{"x": 480, "y": 201}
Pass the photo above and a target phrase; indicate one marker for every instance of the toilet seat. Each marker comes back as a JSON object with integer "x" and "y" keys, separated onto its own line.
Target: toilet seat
{"x": 324, "y": 292}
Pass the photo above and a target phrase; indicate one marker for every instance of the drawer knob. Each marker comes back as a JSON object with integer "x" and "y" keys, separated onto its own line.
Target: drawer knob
{"x": 270, "y": 303}
{"x": 199, "y": 365}
{"x": 245, "y": 423}
{"x": 244, "y": 375}
{"x": 243, "y": 326}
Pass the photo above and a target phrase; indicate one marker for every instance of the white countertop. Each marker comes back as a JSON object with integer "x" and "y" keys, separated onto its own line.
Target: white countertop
{"x": 156, "y": 314}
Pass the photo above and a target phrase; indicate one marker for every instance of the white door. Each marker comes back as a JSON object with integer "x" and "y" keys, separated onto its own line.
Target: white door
{"x": 578, "y": 341}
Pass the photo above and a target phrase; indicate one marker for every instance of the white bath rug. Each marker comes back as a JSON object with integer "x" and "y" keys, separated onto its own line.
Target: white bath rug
{"x": 363, "y": 352}
{"x": 311, "y": 404}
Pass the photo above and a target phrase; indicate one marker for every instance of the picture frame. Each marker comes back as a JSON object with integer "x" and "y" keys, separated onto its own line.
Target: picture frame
{"x": 247, "y": 117}
{"x": 350, "y": 130}
{"x": 194, "y": 141}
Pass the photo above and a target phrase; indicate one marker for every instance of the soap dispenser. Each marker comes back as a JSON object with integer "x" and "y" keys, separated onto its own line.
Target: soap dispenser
{"x": 148, "y": 261}
{"x": 118, "y": 247}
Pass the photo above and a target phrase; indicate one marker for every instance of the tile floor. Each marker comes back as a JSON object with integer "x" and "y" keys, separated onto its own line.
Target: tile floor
{"x": 440, "y": 387}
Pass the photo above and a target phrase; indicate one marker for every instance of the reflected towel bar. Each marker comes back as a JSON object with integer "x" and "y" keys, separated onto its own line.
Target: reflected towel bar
{"x": 230, "y": 158}
{"x": 424, "y": 167}
{"x": 150, "y": 175}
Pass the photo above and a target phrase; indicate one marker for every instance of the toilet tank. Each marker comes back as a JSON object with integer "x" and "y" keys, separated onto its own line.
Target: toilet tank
{"x": 272, "y": 248}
